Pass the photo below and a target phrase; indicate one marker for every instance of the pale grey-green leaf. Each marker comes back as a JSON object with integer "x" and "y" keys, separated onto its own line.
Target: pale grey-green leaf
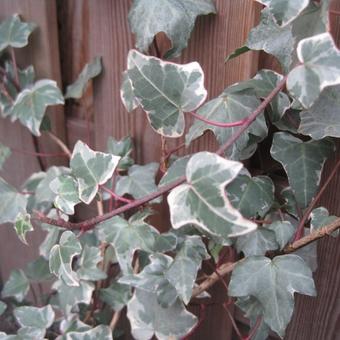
{"x": 273, "y": 283}
{"x": 40, "y": 318}
{"x": 30, "y": 105}
{"x": 202, "y": 200}
{"x": 61, "y": 257}
{"x": 117, "y": 295}
{"x": 175, "y": 18}
{"x": 148, "y": 318}
{"x": 90, "y": 71}
{"x": 5, "y": 152}
{"x": 175, "y": 171}
{"x": 123, "y": 149}
{"x": 22, "y": 226}
{"x": 91, "y": 168}
{"x": 166, "y": 90}
{"x": 16, "y": 286}
{"x": 320, "y": 218}
{"x": 284, "y": 231}
{"x": 38, "y": 270}
{"x": 127, "y": 95}
{"x": 100, "y": 332}
{"x": 14, "y": 32}
{"x": 303, "y": 163}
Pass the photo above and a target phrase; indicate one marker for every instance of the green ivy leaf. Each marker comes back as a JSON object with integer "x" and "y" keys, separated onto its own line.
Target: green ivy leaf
{"x": 290, "y": 204}
{"x": 273, "y": 283}
{"x": 66, "y": 189}
{"x": 284, "y": 231}
{"x": 231, "y": 106}
{"x": 322, "y": 119}
{"x": 286, "y": 11}
{"x": 320, "y": 218}
{"x": 17, "y": 285}
{"x": 22, "y": 226}
{"x": 40, "y": 318}
{"x": 38, "y": 270}
{"x": 320, "y": 60}
{"x": 123, "y": 149}
{"x": 88, "y": 264}
{"x": 139, "y": 182}
{"x": 148, "y": 318}
{"x": 14, "y": 32}
{"x": 91, "y": 168}
{"x": 5, "y": 152}
{"x": 25, "y": 333}
{"x": 127, "y": 95}
{"x": 61, "y": 257}
{"x": 12, "y": 202}
{"x": 252, "y": 196}
{"x": 71, "y": 296}
{"x": 3, "y": 307}
{"x": 166, "y": 90}
{"x": 72, "y": 324}
{"x": 202, "y": 200}
{"x": 175, "y": 18}
{"x": 128, "y": 236}
{"x": 100, "y": 332}
{"x": 30, "y": 105}
{"x": 90, "y": 71}
{"x": 117, "y": 295}
{"x": 303, "y": 163}
{"x": 175, "y": 171}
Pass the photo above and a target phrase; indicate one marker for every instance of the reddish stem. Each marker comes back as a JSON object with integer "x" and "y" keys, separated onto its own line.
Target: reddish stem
{"x": 218, "y": 124}
{"x": 255, "y": 328}
{"x": 233, "y": 322}
{"x": 115, "y": 196}
{"x": 15, "y": 67}
{"x": 199, "y": 323}
{"x": 38, "y": 154}
{"x": 170, "y": 152}
{"x": 334, "y": 12}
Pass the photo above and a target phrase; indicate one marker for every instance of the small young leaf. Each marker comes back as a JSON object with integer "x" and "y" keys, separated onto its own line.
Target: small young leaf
{"x": 14, "y": 32}
{"x": 203, "y": 202}
{"x": 22, "y": 226}
{"x": 319, "y": 58}
{"x": 5, "y": 152}
{"x": 91, "y": 168}
{"x": 40, "y": 318}
{"x": 17, "y": 286}
{"x": 90, "y": 71}
{"x": 175, "y": 18}
{"x": 61, "y": 257}
{"x": 148, "y": 318}
{"x": 12, "y": 203}
{"x": 117, "y": 295}
{"x": 303, "y": 162}
{"x": 283, "y": 230}
{"x": 139, "y": 182}
{"x": 166, "y": 90}
{"x": 30, "y": 105}
{"x": 123, "y": 149}
{"x": 320, "y": 218}
{"x": 88, "y": 264}
{"x": 273, "y": 283}
{"x": 66, "y": 189}
{"x": 3, "y": 307}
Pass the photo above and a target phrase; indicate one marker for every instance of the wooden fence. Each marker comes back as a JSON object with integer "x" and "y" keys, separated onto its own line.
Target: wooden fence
{"x": 70, "y": 33}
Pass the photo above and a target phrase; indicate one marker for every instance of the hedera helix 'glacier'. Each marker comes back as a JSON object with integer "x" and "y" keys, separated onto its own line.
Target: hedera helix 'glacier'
{"x": 118, "y": 260}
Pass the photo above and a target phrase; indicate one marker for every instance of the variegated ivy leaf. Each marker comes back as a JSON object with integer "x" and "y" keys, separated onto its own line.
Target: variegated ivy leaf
{"x": 40, "y": 318}
{"x": 61, "y": 257}
{"x": 117, "y": 295}
{"x": 284, "y": 231}
{"x": 90, "y": 71}
{"x": 303, "y": 163}
{"x": 14, "y": 32}
{"x": 148, "y": 318}
{"x": 127, "y": 95}
{"x": 175, "y": 18}
{"x": 66, "y": 189}
{"x": 72, "y": 324}
{"x": 123, "y": 149}
{"x": 139, "y": 182}
{"x": 38, "y": 270}
{"x": 128, "y": 236}
{"x": 273, "y": 283}
{"x": 100, "y": 332}
{"x": 16, "y": 286}
{"x": 231, "y": 106}
{"x": 285, "y": 11}
{"x": 5, "y": 152}
{"x": 3, "y": 307}
{"x": 202, "y": 200}
{"x": 166, "y": 90}
{"x": 91, "y": 168}
{"x": 30, "y": 105}
{"x": 22, "y": 226}
{"x": 290, "y": 204}
{"x": 12, "y": 202}
{"x": 175, "y": 171}
{"x": 69, "y": 297}
{"x": 319, "y": 58}
{"x": 258, "y": 242}
{"x": 320, "y": 218}
{"x": 323, "y": 118}
{"x": 252, "y": 196}
{"x": 25, "y": 333}
{"x": 88, "y": 264}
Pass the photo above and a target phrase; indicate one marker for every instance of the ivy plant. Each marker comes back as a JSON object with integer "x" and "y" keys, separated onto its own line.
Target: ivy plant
{"x": 117, "y": 263}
